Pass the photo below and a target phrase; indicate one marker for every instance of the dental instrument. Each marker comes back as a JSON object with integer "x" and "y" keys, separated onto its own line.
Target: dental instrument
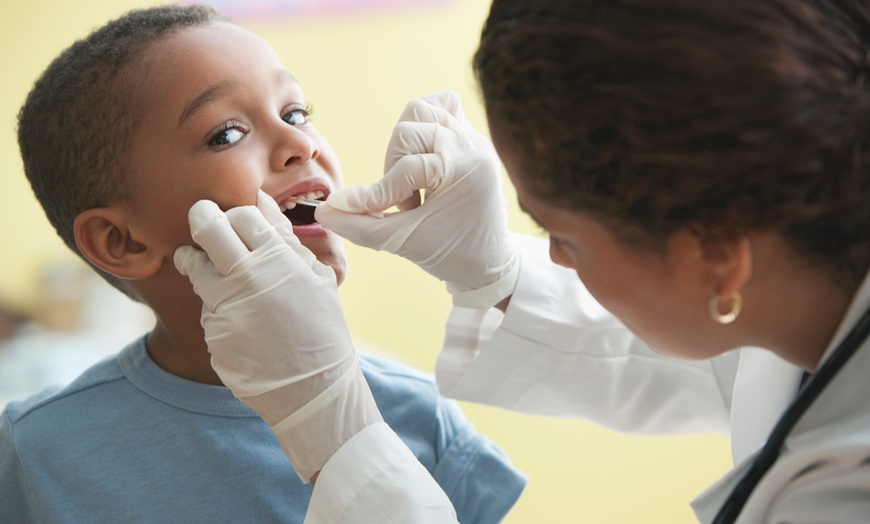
{"x": 309, "y": 201}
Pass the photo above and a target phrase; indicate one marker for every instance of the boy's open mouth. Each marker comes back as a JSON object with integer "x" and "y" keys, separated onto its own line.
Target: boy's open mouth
{"x": 301, "y": 214}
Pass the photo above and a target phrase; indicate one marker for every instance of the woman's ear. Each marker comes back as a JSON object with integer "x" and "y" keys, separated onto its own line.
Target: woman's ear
{"x": 730, "y": 262}
{"x": 103, "y": 237}
{"x": 715, "y": 265}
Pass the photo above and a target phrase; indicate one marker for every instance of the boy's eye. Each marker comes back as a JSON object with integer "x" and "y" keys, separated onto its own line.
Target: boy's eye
{"x": 297, "y": 117}
{"x": 227, "y": 135}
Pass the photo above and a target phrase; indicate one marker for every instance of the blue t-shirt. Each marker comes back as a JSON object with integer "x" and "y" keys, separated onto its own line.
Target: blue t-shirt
{"x": 127, "y": 442}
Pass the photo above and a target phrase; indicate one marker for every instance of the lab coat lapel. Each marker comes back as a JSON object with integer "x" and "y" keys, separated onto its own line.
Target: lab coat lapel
{"x": 845, "y": 398}
{"x": 764, "y": 386}
{"x": 708, "y": 503}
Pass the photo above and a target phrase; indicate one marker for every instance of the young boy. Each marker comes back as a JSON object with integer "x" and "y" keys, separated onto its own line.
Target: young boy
{"x": 121, "y": 135}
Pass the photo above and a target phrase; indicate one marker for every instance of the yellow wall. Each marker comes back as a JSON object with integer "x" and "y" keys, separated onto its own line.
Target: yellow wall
{"x": 359, "y": 70}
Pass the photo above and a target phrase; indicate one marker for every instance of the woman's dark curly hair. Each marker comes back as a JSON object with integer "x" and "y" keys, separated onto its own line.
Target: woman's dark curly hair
{"x": 724, "y": 116}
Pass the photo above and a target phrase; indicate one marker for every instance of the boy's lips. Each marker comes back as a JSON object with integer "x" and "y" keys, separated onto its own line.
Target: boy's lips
{"x": 310, "y": 230}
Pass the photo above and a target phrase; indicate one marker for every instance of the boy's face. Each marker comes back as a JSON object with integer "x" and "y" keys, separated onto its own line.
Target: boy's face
{"x": 222, "y": 119}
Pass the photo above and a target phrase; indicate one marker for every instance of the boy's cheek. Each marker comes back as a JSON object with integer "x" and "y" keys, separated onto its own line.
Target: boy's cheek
{"x": 227, "y": 200}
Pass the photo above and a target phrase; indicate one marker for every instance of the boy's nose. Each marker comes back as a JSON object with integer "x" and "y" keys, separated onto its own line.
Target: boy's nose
{"x": 295, "y": 148}
{"x": 306, "y": 153}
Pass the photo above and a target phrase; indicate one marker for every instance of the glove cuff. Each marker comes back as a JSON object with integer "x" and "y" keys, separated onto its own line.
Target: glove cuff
{"x": 312, "y": 434}
{"x": 490, "y": 295}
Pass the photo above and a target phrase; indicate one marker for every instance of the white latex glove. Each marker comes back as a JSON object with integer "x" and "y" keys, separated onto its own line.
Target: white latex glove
{"x": 459, "y": 233}
{"x": 275, "y": 329}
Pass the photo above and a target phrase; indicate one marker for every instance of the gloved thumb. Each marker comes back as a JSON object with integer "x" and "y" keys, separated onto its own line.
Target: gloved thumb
{"x": 211, "y": 229}
{"x": 360, "y": 228}
{"x": 186, "y": 258}
{"x": 198, "y": 268}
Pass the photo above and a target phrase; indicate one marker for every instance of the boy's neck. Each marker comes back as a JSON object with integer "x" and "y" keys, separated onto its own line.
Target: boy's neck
{"x": 177, "y": 342}
{"x": 178, "y": 357}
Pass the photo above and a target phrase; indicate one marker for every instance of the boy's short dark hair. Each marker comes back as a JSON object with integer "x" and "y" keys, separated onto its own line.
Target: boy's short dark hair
{"x": 75, "y": 126}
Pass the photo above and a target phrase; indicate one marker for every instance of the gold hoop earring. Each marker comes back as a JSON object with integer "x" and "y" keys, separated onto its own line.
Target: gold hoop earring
{"x": 729, "y": 317}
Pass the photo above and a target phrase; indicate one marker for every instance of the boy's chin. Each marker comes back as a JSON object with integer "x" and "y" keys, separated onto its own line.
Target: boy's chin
{"x": 338, "y": 266}
{"x": 330, "y": 253}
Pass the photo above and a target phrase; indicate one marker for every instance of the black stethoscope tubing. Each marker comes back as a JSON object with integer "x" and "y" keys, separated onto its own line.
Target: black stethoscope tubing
{"x": 733, "y": 505}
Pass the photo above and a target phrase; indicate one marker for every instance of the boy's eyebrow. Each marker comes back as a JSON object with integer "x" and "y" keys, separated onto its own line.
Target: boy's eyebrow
{"x": 203, "y": 98}
{"x": 214, "y": 92}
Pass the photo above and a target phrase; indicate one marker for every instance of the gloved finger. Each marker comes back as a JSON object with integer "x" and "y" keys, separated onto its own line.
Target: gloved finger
{"x": 186, "y": 259}
{"x": 448, "y": 100}
{"x": 411, "y": 202}
{"x": 413, "y": 138}
{"x": 410, "y": 174}
{"x": 416, "y": 138}
{"x": 211, "y": 229}
{"x": 273, "y": 215}
{"x": 443, "y": 107}
{"x": 387, "y": 232}
{"x": 410, "y": 138}
{"x": 434, "y": 107}
{"x": 471, "y": 132}
{"x": 252, "y": 227}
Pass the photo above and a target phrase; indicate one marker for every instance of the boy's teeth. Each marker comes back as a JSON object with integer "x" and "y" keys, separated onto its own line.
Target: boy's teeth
{"x": 290, "y": 203}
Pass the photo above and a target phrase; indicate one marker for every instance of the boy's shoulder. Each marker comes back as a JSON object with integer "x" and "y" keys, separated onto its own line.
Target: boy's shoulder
{"x": 58, "y": 399}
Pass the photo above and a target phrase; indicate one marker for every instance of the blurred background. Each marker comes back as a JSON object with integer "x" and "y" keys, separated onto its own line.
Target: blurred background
{"x": 359, "y": 62}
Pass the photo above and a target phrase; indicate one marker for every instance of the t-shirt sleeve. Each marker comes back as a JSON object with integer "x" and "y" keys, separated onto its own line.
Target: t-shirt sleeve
{"x": 14, "y": 498}
{"x": 474, "y": 472}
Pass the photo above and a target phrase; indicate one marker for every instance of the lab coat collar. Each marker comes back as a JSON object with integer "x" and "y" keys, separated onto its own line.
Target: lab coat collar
{"x": 844, "y": 399}
{"x": 830, "y": 422}
{"x": 860, "y": 303}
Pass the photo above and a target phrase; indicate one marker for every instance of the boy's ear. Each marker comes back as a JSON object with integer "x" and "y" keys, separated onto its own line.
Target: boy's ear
{"x": 103, "y": 237}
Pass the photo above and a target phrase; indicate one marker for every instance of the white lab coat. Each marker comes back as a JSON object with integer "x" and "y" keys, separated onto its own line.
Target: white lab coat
{"x": 556, "y": 352}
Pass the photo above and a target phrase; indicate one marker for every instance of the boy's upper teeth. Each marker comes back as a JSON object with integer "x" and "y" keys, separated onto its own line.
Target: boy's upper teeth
{"x": 290, "y": 203}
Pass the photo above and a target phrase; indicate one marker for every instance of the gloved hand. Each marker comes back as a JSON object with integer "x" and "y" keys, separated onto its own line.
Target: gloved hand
{"x": 459, "y": 233}
{"x": 275, "y": 329}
